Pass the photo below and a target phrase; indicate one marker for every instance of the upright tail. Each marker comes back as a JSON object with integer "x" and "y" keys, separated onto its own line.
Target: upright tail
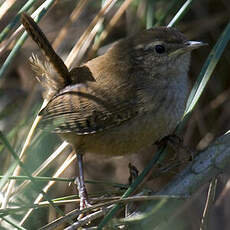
{"x": 54, "y": 75}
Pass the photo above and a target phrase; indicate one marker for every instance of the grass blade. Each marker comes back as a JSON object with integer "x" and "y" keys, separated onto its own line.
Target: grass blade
{"x": 207, "y": 70}
{"x": 180, "y": 14}
{"x": 194, "y": 96}
{"x": 27, "y": 173}
{"x": 11, "y": 25}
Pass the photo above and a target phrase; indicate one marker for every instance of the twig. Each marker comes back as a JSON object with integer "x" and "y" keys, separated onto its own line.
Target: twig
{"x": 110, "y": 204}
{"x": 89, "y": 218}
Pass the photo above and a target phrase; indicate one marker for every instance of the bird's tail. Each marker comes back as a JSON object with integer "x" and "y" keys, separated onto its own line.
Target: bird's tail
{"x": 53, "y": 74}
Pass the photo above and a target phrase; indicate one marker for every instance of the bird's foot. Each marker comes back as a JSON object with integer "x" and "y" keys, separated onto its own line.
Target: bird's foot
{"x": 133, "y": 173}
{"x": 83, "y": 195}
{"x": 170, "y": 139}
{"x": 175, "y": 142}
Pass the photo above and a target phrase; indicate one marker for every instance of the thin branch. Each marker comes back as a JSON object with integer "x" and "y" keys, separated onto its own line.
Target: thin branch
{"x": 207, "y": 165}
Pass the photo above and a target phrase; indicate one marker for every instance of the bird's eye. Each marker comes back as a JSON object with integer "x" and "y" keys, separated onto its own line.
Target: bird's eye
{"x": 160, "y": 49}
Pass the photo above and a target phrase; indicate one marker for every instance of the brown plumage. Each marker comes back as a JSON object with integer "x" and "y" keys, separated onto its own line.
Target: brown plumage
{"x": 122, "y": 101}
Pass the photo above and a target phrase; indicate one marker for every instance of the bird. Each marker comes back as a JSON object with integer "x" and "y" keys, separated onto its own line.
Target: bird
{"x": 117, "y": 103}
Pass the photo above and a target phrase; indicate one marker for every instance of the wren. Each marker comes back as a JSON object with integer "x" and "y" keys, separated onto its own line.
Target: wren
{"x": 120, "y": 102}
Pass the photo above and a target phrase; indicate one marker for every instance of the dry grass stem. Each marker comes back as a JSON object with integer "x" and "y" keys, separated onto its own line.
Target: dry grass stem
{"x": 70, "y": 61}
{"x": 22, "y": 157}
{"x": 73, "y": 17}
{"x": 209, "y": 204}
{"x": 5, "y": 7}
{"x": 110, "y": 25}
{"x": 58, "y": 173}
{"x": 7, "y": 42}
{"x": 43, "y": 166}
{"x": 106, "y": 206}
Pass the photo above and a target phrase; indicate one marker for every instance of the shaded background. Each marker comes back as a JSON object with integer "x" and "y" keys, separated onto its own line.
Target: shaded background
{"x": 21, "y": 98}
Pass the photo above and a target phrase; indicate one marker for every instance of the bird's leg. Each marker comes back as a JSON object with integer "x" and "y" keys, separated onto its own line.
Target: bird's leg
{"x": 133, "y": 174}
{"x": 84, "y": 203}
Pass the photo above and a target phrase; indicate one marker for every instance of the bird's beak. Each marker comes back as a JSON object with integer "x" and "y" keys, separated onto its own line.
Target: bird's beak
{"x": 191, "y": 45}
{"x": 188, "y": 47}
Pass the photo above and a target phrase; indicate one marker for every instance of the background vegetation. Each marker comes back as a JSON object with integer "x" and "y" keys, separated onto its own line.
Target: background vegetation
{"x": 93, "y": 29}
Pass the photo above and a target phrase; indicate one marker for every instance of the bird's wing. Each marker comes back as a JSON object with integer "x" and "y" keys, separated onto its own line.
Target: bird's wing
{"x": 86, "y": 109}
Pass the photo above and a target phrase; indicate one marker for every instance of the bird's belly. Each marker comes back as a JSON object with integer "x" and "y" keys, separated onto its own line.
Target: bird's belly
{"x": 129, "y": 138}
